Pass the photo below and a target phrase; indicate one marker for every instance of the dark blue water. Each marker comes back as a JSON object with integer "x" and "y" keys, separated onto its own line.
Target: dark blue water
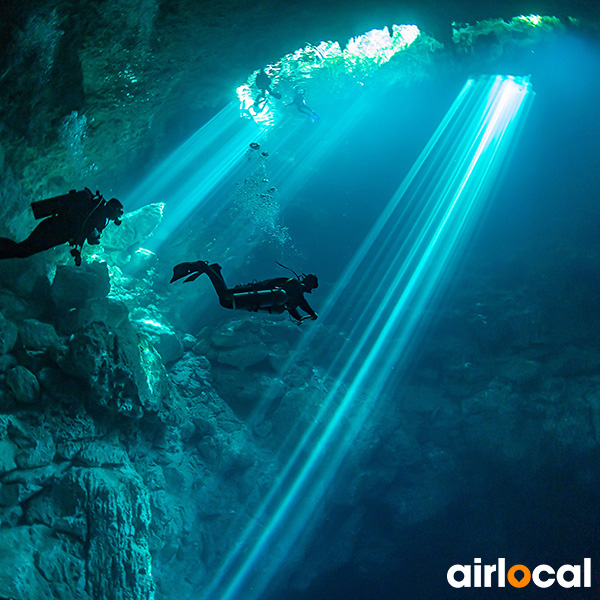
{"x": 540, "y": 234}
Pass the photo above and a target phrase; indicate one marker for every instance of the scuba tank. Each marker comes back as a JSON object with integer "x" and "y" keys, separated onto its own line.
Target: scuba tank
{"x": 267, "y": 300}
{"x": 60, "y": 204}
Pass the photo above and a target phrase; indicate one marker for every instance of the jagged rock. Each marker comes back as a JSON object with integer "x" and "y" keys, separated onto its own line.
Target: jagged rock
{"x": 23, "y": 384}
{"x": 163, "y": 338}
{"x": 8, "y": 335}
{"x": 22, "y": 435}
{"x": 37, "y": 477}
{"x": 141, "y": 263}
{"x": 12, "y": 494}
{"x": 108, "y": 511}
{"x": 137, "y": 226}
{"x": 8, "y": 452}
{"x": 574, "y": 362}
{"x": 236, "y": 334}
{"x": 12, "y": 306}
{"x": 119, "y": 561}
{"x": 188, "y": 341}
{"x": 72, "y": 286}
{"x": 245, "y": 356}
{"x": 103, "y": 310}
{"x": 123, "y": 372}
{"x": 61, "y": 387}
{"x": 7, "y": 362}
{"x": 279, "y": 355}
{"x": 521, "y": 372}
{"x": 34, "y": 564}
{"x": 10, "y": 516}
{"x": 296, "y": 413}
{"x": 190, "y": 375}
{"x": 101, "y": 454}
{"x": 38, "y": 336}
{"x": 42, "y": 453}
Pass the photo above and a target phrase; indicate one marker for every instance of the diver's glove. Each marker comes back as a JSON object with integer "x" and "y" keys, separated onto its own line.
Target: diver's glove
{"x": 76, "y": 254}
{"x": 93, "y": 237}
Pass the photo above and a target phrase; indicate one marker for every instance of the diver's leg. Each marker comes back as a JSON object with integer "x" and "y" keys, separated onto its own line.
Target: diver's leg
{"x": 225, "y": 294}
{"x": 8, "y": 248}
{"x": 188, "y": 268}
{"x": 49, "y": 233}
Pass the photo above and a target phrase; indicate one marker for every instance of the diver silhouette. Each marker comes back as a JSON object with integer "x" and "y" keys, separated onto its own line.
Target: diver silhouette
{"x": 274, "y": 296}
{"x": 263, "y": 83}
{"x": 300, "y": 103}
{"x": 72, "y": 218}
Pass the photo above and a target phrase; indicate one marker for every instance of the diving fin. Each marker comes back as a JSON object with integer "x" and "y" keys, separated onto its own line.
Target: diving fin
{"x": 193, "y": 277}
{"x": 181, "y": 270}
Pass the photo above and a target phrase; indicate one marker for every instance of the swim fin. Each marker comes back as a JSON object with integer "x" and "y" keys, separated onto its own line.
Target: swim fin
{"x": 181, "y": 270}
{"x": 193, "y": 277}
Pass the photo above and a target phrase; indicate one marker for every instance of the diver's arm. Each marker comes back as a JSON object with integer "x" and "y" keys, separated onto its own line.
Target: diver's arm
{"x": 305, "y": 306}
{"x": 294, "y": 313}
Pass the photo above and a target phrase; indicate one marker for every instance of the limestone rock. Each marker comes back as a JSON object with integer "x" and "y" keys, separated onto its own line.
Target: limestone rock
{"x": 7, "y": 456}
{"x": 190, "y": 375}
{"x": 23, "y": 384}
{"x": 61, "y": 387}
{"x": 34, "y": 564}
{"x": 137, "y": 226}
{"x": 72, "y": 286}
{"x": 7, "y": 362}
{"x": 162, "y": 337}
{"x": 108, "y": 512}
{"x": 8, "y": 335}
{"x": 141, "y": 263}
{"x": 38, "y": 336}
{"x": 122, "y": 371}
{"x": 100, "y": 310}
{"x": 245, "y": 356}
{"x": 40, "y": 454}
{"x": 235, "y": 334}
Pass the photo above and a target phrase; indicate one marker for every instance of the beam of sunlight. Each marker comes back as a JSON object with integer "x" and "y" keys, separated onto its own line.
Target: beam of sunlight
{"x": 186, "y": 180}
{"x": 403, "y": 264}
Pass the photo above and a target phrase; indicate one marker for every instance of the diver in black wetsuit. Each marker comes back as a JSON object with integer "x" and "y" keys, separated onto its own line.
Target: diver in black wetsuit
{"x": 274, "y": 296}
{"x": 73, "y": 218}
{"x": 263, "y": 83}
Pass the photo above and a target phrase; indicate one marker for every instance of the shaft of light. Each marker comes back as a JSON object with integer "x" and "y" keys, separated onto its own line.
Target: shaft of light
{"x": 189, "y": 178}
{"x": 404, "y": 263}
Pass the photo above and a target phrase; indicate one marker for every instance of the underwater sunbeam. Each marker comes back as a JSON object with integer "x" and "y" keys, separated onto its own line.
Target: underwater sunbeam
{"x": 193, "y": 172}
{"x": 403, "y": 264}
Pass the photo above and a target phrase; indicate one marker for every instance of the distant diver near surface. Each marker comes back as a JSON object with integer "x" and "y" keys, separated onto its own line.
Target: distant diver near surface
{"x": 274, "y": 296}
{"x": 72, "y": 218}
{"x": 300, "y": 103}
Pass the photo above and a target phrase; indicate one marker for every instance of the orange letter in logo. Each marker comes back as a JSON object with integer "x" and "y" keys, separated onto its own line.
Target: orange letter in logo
{"x": 516, "y": 582}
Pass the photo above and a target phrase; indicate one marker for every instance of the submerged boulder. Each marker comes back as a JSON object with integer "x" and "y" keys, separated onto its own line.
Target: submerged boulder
{"x": 34, "y": 563}
{"x": 122, "y": 371}
{"x": 38, "y": 336}
{"x": 24, "y": 384}
{"x": 8, "y": 335}
{"x": 162, "y": 337}
{"x": 72, "y": 286}
{"x": 137, "y": 226}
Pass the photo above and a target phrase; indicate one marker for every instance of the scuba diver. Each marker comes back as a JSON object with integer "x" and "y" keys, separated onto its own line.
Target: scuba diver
{"x": 72, "y": 218}
{"x": 301, "y": 105}
{"x": 263, "y": 83}
{"x": 274, "y": 296}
